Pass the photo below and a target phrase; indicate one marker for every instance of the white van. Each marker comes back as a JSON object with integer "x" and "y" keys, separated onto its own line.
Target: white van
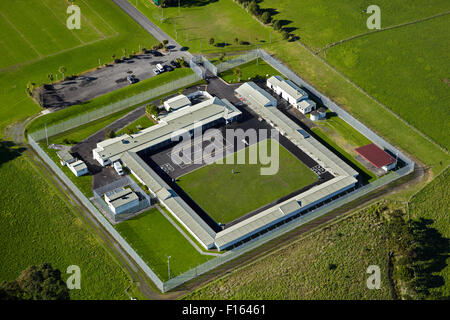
{"x": 160, "y": 68}
{"x": 118, "y": 168}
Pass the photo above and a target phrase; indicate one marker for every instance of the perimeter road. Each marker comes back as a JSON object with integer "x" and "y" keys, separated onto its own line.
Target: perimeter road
{"x": 149, "y": 26}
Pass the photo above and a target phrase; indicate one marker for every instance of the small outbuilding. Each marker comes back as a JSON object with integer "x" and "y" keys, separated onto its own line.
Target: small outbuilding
{"x": 78, "y": 168}
{"x": 315, "y": 115}
{"x": 377, "y": 156}
{"x": 322, "y": 112}
{"x": 65, "y": 158}
{"x": 122, "y": 200}
{"x": 305, "y": 106}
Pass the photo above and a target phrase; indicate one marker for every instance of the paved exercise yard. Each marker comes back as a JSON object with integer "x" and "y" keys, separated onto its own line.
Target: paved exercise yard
{"x": 226, "y": 196}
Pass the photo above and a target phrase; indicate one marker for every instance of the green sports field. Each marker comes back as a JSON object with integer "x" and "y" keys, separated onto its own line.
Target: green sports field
{"x": 35, "y": 42}
{"x": 226, "y": 196}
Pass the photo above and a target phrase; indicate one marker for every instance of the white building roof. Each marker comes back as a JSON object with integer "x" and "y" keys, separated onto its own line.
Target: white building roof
{"x": 78, "y": 166}
{"x": 182, "y": 120}
{"x": 255, "y": 94}
{"x": 178, "y": 102}
{"x": 304, "y": 104}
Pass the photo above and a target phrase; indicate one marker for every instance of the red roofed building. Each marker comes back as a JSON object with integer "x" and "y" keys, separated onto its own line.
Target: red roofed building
{"x": 376, "y": 156}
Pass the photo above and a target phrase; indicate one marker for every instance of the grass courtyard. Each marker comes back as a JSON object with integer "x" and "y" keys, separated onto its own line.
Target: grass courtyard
{"x": 250, "y": 71}
{"x": 226, "y": 196}
{"x": 154, "y": 238}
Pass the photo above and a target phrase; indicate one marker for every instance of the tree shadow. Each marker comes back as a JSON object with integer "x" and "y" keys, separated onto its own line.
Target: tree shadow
{"x": 222, "y": 44}
{"x": 9, "y": 151}
{"x": 430, "y": 255}
{"x": 189, "y": 3}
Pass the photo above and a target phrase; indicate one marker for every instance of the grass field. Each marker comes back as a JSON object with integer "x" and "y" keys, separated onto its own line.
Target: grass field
{"x": 329, "y": 264}
{"x": 36, "y": 226}
{"x": 250, "y": 70}
{"x": 105, "y": 30}
{"x": 320, "y": 22}
{"x": 226, "y": 21}
{"x": 433, "y": 203}
{"x": 245, "y": 190}
{"x": 154, "y": 238}
{"x": 108, "y": 98}
{"x": 406, "y": 69}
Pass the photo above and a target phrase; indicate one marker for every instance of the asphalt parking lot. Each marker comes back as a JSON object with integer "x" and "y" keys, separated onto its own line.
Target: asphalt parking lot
{"x": 106, "y": 79}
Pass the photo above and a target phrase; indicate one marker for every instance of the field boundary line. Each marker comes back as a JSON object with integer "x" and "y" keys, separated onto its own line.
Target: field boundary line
{"x": 423, "y": 135}
{"x": 96, "y": 13}
{"x": 330, "y": 45}
{"x": 21, "y": 35}
{"x": 58, "y": 18}
{"x": 185, "y": 235}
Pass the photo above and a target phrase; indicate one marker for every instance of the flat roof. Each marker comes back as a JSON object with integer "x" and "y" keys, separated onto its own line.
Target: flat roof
{"x": 288, "y": 86}
{"x": 305, "y": 104}
{"x": 182, "y": 120}
{"x": 178, "y": 102}
{"x": 65, "y": 156}
{"x": 78, "y": 165}
{"x": 253, "y": 91}
{"x": 375, "y": 155}
{"x": 121, "y": 197}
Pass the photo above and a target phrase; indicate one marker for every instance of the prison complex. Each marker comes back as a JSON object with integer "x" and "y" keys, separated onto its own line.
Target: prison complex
{"x": 206, "y": 114}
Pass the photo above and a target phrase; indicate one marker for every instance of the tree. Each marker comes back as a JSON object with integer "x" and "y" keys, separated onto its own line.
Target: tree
{"x": 236, "y": 40}
{"x": 109, "y": 133}
{"x": 50, "y": 77}
{"x": 286, "y": 35}
{"x": 165, "y": 42}
{"x": 253, "y": 8}
{"x": 113, "y": 57}
{"x": 211, "y": 41}
{"x": 36, "y": 283}
{"x": 277, "y": 25}
{"x": 266, "y": 17}
{"x": 222, "y": 57}
{"x": 151, "y": 109}
{"x": 62, "y": 70}
{"x": 238, "y": 73}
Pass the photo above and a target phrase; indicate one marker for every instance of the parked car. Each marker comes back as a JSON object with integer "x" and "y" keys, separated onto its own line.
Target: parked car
{"x": 131, "y": 79}
{"x": 156, "y": 71}
{"x": 168, "y": 68}
{"x": 118, "y": 168}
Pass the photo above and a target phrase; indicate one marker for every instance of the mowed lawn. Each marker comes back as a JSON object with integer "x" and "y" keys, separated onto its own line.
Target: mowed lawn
{"x": 251, "y": 70}
{"x": 329, "y": 264}
{"x": 37, "y": 226}
{"x": 320, "y": 22}
{"x": 154, "y": 238}
{"x": 222, "y": 20}
{"x": 105, "y": 30}
{"x": 406, "y": 69}
{"x": 226, "y": 196}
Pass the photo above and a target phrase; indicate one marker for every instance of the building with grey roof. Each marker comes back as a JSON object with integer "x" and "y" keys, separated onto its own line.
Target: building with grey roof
{"x": 252, "y": 92}
{"x": 121, "y": 200}
{"x": 287, "y": 90}
{"x": 78, "y": 168}
{"x": 177, "y": 102}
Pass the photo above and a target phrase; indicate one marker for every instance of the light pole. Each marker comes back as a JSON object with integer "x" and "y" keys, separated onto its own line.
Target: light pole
{"x": 168, "y": 265}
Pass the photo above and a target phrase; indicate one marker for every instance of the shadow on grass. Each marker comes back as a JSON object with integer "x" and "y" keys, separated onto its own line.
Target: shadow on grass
{"x": 9, "y": 151}
{"x": 430, "y": 256}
